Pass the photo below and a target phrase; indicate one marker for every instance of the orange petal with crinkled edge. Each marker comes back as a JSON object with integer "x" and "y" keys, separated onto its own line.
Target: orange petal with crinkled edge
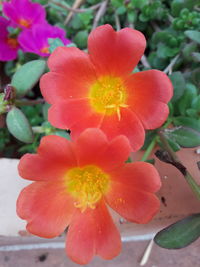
{"x": 148, "y": 94}
{"x": 115, "y": 53}
{"x": 92, "y": 233}
{"x": 47, "y": 207}
{"x": 134, "y": 199}
{"x": 53, "y": 149}
{"x": 93, "y": 146}
{"x": 128, "y": 125}
{"x": 71, "y": 75}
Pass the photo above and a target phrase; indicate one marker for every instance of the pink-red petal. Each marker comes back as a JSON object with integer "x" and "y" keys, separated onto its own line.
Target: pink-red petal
{"x": 92, "y": 147}
{"x": 55, "y": 156}
{"x": 47, "y": 207}
{"x": 140, "y": 176}
{"x": 115, "y": 53}
{"x": 92, "y": 233}
{"x": 128, "y": 125}
{"x": 148, "y": 95}
{"x": 133, "y": 205}
{"x": 71, "y": 75}
{"x": 75, "y": 115}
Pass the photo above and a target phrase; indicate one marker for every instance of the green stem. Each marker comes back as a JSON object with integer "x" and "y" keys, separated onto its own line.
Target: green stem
{"x": 28, "y": 102}
{"x": 151, "y": 146}
{"x": 176, "y": 161}
{"x": 149, "y": 149}
{"x": 37, "y": 129}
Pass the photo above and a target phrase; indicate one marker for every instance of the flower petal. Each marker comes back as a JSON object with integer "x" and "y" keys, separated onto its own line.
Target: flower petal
{"x": 92, "y": 232}
{"x": 128, "y": 125}
{"x": 71, "y": 75}
{"x": 149, "y": 92}
{"x": 140, "y": 176}
{"x": 56, "y": 87}
{"x": 115, "y": 53}
{"x": 133, "y": 204}
{"x": 75, "y": 115}
{"x": 55, "y": 156}
{"x": 73, "y": 62}
{"x": 47, "y": 207}
{"x": 93, "y": 147}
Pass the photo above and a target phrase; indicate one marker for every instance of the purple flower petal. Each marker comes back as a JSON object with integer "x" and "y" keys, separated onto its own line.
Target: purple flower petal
{"x": 24, "y": 13}
{"x": 7, "y": 53}
{"x": 36, "y": 39}
{"x": 8, "y": 45}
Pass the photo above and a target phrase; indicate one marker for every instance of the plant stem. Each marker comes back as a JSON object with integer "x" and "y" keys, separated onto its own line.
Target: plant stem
{"x": 37, "y": 129}
{"x": 168, "y": 69}
{"x": 149, "y": 149}
{"x": 175, "y": 161}
{"x": 27, "y": 102}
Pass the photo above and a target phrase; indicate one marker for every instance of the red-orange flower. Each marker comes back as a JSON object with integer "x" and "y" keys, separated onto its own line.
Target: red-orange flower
{"x": 99, "y": 90}
{"x": 73, "y": 184}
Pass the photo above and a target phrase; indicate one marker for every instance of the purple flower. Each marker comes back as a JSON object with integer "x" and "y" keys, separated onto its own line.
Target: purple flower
{"x": 24, "y": 13}
{"x": 8, "y": 44}
{"x": 36, "y": 39}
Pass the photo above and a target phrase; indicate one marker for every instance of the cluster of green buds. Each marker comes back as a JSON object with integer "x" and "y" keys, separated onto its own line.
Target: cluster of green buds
{"x": 187, "y": 20}
{"x": 155, "y": 10}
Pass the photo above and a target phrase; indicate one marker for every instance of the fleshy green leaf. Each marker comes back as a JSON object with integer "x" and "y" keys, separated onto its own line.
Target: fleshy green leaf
{"x": 179, "y": 234}
{"x": 188, "y": 122}
{"x": 196, "y": 56}
{"x": 178, "y": 82}
{"x": 184, "y": 136}
{"x": 54, "y": 43}
{"x": 193, "y": 35}
{"x": 81, "y": 39}
{"x": 27, "y": 76}
{"x": 19, "y": 126}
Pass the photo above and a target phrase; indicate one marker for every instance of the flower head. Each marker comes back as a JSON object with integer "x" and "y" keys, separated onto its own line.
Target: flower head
{"x": 24, "y": 13}
{"x": 8, "y": 44}
{"x": 35, "y": 40}
{"x": 98, "y": 89}
{"x": 73, "y": 184}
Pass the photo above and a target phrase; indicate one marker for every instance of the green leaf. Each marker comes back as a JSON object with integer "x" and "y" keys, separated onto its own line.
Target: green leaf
{"x": 178, "y": 82}
{"x": 196, "y": 56}
{"x": 54, "y": 43}
{"x": 27, "y": 76}
{"x": 19, "y": 126}
{"x": 121, "y": 10}
{"x": 62, "y": 134}
{"x": 86, "y": 17}
{"x": 188, "y": 50}
{"x": 173, "y": 144}
{"x": 81, "y": 39}
{"x": 139, "y": 3}
{"x": 178, "y": 5}
{"x": 179, "y": 234}
{"x": 165, "y": 51}
{"x": 184, "y": 136}
{"x": 185, "y": 101}
{"x": 193, "y": 35}
{"x": 188, "y": 122}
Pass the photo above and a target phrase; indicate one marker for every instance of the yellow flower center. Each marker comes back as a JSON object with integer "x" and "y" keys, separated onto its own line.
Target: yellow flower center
{"x": 107, "y": 95}
{"x": 24, "y": 23}
{"x": 45, "y": 50}
{"x": 12, "y": 42}
{"x": 86, "y": 185}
